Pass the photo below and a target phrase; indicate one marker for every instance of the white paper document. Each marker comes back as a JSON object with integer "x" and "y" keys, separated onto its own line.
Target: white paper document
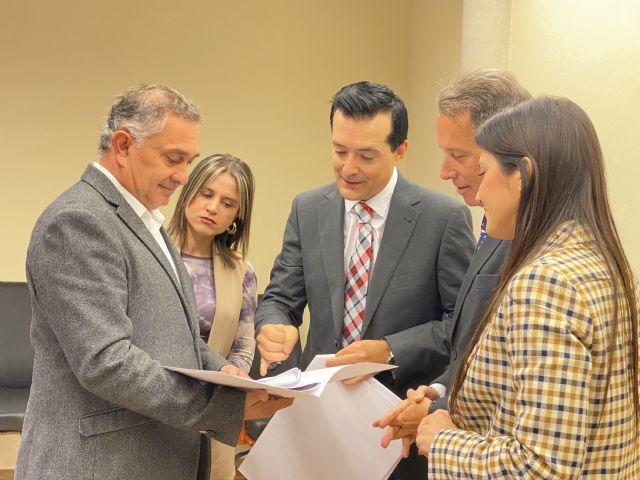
{"x": 327, "y": 438}
{"x": 292, "y": 383}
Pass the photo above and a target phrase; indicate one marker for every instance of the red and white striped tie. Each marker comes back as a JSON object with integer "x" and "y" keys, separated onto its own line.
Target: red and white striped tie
{"x": 355, "y": 292}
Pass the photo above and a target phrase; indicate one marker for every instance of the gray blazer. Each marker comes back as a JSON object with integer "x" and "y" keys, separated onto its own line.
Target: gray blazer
{"x": 108, "y": 312}
{"x": 426, "y": 248}
{"x": 477, "y": 287}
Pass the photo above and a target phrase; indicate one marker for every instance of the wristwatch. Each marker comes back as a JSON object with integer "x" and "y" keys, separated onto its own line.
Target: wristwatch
{"x": 390, "y": 360}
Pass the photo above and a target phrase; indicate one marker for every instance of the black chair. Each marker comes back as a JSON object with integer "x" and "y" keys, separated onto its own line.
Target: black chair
{"x": 16, "y": 354}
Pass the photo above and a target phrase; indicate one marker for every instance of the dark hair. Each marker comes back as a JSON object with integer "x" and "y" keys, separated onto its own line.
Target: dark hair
{"x": 566, "y": 183}
{"x": 365, "y": 100}
{"x": 482, "y": 93}
{"x": 230, "y": 246}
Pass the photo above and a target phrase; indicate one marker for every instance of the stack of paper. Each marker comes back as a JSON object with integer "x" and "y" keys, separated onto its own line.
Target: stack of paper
{"x": 326, "y": 434}
{"x": 327, "y": 438}
{"x": 292, "y": 383}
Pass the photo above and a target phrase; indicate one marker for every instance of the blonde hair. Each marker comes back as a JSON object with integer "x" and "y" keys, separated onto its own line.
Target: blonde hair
{"x": 230, "y": 246}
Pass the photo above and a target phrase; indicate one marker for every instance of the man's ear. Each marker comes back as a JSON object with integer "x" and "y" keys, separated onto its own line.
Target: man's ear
{"x": 121, "y": 141}
{"x": 401, "y": 151}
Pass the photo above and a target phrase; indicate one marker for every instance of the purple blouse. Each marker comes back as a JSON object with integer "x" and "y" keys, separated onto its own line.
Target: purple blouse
{"x": 201, "y": 272}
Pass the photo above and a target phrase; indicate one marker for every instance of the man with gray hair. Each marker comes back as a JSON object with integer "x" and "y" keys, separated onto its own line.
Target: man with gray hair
{"x": 463, "y": 105}
{"x": 112, "y": 303}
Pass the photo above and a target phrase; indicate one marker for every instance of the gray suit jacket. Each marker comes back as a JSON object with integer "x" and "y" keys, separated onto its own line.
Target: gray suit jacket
{"x": 477, "y": 287}
{"x": 426, "y": 248}
{"x": 108, "y": 312}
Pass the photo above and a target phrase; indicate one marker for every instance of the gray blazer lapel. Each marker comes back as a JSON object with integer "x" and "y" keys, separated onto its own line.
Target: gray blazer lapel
{"x": 331, "y": 228}
{"x": 107, "y": 189}
{"x": 398, "y": 229}
{"x": 477, "y": 262}
{"x": 111, "y": 194}
{"x": 185, "y": 290}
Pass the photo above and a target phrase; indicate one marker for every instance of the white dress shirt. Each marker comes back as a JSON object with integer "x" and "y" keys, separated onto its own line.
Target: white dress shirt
{"x": 153, "y": 220}
{"x": 379, "y": 203}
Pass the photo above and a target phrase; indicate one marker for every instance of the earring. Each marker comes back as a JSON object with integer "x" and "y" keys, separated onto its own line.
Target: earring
{"x": 233, "y": 228}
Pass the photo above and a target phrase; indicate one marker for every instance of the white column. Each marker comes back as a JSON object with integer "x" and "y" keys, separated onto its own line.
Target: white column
{"x": 486, "y": 31}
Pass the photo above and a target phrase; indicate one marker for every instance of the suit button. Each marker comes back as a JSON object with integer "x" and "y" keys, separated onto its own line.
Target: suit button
{"x": 337, "y": 343}
{"x": 454, "y": 355}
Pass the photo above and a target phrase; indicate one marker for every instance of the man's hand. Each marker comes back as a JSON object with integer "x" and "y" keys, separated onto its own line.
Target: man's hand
{"x": 375, "y": 351}
{"x": 429, "y": 427}
{"x": 403, "y": 419}
{"x": 259, "y": 404}
{"x": 275, "y": 343}
{"x": 233, "y": 370}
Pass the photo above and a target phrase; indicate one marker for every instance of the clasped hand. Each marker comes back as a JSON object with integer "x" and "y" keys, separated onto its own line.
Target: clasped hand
{"x": 402, "y": 421}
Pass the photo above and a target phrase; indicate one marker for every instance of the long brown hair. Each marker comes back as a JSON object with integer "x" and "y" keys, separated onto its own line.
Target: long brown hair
{"x": 230, "y": 246}
{"x": 566, "y": 183}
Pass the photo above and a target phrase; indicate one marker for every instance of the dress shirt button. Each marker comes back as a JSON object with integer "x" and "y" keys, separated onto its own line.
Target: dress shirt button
{"x": 454, "y": 355}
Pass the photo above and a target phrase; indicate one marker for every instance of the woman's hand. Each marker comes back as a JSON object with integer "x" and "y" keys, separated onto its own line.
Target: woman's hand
{"x": 429, "y": 427}
{"x": 230, "y": 369}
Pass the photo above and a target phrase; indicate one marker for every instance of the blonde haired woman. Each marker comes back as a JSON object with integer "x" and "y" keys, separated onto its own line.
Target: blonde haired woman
{"x": 210, "y": 227}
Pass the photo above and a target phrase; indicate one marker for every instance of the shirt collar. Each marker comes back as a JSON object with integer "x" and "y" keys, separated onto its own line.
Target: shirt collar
{"x": 152, "y": 219}
{"x": 380, "y": 202}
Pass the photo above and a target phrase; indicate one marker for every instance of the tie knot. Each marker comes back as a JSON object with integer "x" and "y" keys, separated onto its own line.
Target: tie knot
{"x": 363, "y": 211}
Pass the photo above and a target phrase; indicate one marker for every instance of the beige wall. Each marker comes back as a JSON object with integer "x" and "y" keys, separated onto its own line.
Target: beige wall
{"x": 434, "y": 60}
{"x": 262, "y": 73}
{"x": 589, "y": 51}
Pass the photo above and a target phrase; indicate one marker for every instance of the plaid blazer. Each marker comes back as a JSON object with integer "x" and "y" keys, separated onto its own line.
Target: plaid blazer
{"x": 534, "y": 402}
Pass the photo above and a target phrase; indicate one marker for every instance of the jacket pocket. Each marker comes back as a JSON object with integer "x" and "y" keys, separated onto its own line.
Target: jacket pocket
{"x": 112, "y": 420}
{"x": 416, "y": 279}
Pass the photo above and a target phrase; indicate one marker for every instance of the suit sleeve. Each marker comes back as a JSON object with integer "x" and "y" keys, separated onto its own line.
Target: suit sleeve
{"x": 427, "y": 345}
{"x": 445, "y": 379}
{"x": 210, "y": 360}
{"x": 82, "y": 288}
{"x": 547, "y": 329}
{"x": 285, "y": 297}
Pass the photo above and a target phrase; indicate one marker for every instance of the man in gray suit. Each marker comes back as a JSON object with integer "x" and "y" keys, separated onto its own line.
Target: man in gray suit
{"x": 112, "y": 303}
{"x": 464, "y": 104}
{"x": 418, "y": 246}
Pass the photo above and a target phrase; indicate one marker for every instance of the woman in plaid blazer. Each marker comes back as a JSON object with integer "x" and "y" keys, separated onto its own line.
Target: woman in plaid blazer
{"x": 549, "y": 385}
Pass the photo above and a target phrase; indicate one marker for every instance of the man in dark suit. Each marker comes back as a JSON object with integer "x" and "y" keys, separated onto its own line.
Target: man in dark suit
{"x": 375, "y": 282}
{"x": 112, "y": 303}
{"x": 463, "y": 106}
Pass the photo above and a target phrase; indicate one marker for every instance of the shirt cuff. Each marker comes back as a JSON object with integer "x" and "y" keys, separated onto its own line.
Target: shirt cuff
{"x": 440, "y": 388}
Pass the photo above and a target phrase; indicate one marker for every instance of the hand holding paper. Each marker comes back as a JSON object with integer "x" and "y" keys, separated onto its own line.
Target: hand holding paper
{"x": 259, "y": 404}
{"x": 233, "y": 370}
{"x": 373, "y": 351}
